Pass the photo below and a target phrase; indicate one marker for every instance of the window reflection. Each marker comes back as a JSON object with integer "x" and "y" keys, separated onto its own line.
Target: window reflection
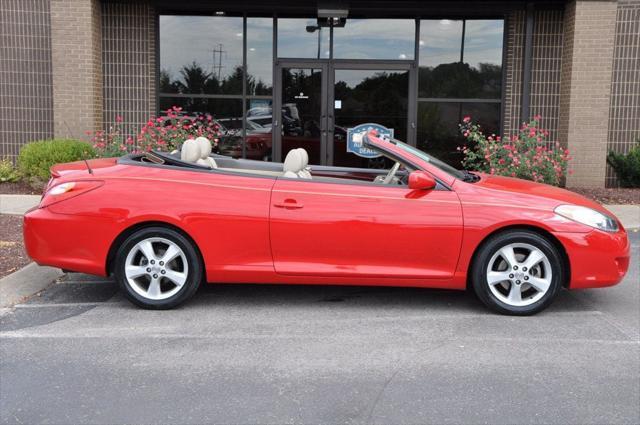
{"x": 200, "y": 54}
{"x": 259, "y": 56}
{"x": 375, "y": 39}
{"x": 438, "y": 131}
{"x": 226, "y": 112}
{"x": 440, "y": 42}
{"x": 302, "y": 38}
{"x": 451, "y": 67}
{"x": 368, "y": 96}
{"x": 483, "y": 42}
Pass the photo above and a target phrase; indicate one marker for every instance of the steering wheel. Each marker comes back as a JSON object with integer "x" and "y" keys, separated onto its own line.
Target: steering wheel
{"x": 391, "y": 174}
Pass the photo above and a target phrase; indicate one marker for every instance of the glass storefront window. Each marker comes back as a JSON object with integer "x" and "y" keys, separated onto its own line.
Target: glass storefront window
{"x": 460, "y": 59}
{"x": 227, "y": 113}
{"x": 440, "y": 42}
{"x": 459, "y": 73}
{"x": 259, "y": 56}
{"x": 438, "y": 131}
{"x": 302, "y": 38}
{"x": 200, "y": 54}
{"x": 375, "y": 39}
{"x": 483, "y": 53}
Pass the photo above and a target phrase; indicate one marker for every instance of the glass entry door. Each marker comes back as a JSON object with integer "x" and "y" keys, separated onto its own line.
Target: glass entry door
{"x": 318, "y": 101}
{"x": 301, "y": 119}
{"x": 361, "y": 96}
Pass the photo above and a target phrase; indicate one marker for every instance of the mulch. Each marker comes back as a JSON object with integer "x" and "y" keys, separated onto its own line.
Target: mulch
{"x": 19, "y": 188}
{"x": 610, "y": 195}
{"x": 12, "y": 254}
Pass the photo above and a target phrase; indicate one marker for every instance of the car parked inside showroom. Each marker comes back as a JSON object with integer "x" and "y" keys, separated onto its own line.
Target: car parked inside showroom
{"x": 162, "y": 224}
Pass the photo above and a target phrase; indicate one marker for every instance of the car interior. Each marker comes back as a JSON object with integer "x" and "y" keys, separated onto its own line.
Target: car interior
{"x": 196, "y": 154}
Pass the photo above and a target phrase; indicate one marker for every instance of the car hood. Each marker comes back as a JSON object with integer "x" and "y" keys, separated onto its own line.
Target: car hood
{"x": 553, "y": 195}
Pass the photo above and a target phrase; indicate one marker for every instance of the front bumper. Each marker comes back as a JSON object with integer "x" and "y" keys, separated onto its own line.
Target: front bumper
{"x": 597, "y": 259}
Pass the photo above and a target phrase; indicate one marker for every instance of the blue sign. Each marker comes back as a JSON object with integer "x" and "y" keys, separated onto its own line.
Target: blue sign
{"x": 355, "y": 135}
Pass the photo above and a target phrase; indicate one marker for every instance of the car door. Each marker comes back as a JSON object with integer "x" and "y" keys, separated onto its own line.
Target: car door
{"x": 364, "y": 230}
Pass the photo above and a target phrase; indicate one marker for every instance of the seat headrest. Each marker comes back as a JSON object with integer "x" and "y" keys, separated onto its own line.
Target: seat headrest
{"x": 190, "y": 151}
{"x": 293, "y": 162}
{"x": 205, "y": 147}
{"x": 305, "y": 157}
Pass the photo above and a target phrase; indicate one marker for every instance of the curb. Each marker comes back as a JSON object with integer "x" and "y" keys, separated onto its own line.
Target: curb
{"x": 25, "y": 282}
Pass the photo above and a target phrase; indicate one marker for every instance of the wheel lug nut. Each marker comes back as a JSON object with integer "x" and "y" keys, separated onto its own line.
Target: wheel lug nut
{"x": 514, "y": 267}
{"x": 526, "y": 278}
{"x": 153, "y": 262}
{"x": 148, "y": 269}
{"x": 162, "y": 263}
{"x": 155, "y": 276}
{"x": 524, "y": 269}
{"x": 162, "y": 271}
{"x": 511, "y": 276}
{"x": 517, "y": 282}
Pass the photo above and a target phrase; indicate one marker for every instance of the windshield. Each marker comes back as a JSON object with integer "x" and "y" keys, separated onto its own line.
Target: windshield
{"x": 430, "y": 159}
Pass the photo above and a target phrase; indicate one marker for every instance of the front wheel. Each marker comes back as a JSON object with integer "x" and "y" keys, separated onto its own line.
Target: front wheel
{"x": 158, "y": 268}
{"x": 517, "y": 272}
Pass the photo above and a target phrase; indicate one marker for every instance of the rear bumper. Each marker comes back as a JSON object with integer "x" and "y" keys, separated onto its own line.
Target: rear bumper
{"x": 69, "y": 242}
{"x": 597, "y": 259}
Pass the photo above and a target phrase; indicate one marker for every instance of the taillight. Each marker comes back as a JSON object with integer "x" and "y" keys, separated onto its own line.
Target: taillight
{"x": 67, "y": 190}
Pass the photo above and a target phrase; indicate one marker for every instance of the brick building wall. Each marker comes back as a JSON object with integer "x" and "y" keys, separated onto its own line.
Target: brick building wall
{"x": 624, "y": 107}
{"x": 586, "y": 87}
{"x": 26, "y": 86}
{"x": 512, "y": 68}
{"x": 545, "y": 70}
{"x": 76, "y": 52}
{"x": 129, "y": 63}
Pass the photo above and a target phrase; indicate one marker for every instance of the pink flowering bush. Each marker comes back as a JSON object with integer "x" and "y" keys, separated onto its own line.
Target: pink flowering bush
{"x": 164, "y": 133}
{"x": 526, "y": 155}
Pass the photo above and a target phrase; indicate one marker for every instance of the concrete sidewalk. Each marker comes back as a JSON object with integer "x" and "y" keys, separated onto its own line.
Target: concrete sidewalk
{"x": 629, "y": 215}
{"x": 17, "y": 204}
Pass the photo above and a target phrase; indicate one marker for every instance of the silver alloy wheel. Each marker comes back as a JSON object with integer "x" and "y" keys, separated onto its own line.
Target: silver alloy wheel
{"x": 519, "y": 274}
{"x": 156, "y": 268}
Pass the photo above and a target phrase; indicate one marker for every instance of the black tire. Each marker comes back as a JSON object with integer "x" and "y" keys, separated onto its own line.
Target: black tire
{"x": 495, "y": 243}
{"x": 194, "y": 274}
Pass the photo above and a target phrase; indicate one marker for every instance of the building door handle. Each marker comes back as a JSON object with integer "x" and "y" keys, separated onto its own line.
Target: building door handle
{"x": 289, "y": 204}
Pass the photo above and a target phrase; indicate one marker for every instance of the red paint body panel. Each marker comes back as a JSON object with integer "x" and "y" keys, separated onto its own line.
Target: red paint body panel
{"x": 262, "y": 229}
{"x": 364, "y": 231}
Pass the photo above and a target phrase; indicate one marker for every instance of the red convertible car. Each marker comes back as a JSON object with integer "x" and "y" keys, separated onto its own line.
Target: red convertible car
{"x": 162, "y": 224}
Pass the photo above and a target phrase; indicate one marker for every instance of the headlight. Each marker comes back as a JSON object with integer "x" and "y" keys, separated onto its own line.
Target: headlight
{"x": 588, "y": 216}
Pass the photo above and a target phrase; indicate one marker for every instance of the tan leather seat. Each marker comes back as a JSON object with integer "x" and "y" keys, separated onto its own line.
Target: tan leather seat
{"x": 205, "y": 151}
{"x": 293, "y": 165}
{"x": 197, "y": 152}
{"x": 190, "y": 151}
{"x": 306, "y": 170}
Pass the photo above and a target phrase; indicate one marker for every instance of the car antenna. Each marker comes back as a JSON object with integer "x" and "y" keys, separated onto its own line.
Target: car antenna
{"x": 88, "y": 166}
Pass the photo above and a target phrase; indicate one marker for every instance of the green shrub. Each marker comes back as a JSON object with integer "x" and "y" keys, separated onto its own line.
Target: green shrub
{"x": 8, "y": 172}
{"x": 627, "y": 166}
{"x": 37, "y": 157}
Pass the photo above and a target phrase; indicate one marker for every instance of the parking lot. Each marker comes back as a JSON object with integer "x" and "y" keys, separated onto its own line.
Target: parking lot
{"x": 80, "y": 353}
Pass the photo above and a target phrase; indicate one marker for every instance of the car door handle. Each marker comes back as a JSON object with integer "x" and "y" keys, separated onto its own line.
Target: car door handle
{"x": 289, "y": 204}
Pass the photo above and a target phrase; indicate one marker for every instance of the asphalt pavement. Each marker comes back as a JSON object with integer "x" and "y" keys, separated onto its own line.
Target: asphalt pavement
{"x": 80, "y": 353}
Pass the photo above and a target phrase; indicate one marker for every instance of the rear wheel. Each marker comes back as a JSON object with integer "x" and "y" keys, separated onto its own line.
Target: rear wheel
{"x": 517, "y": 272}
{"x": 158, "y": 268}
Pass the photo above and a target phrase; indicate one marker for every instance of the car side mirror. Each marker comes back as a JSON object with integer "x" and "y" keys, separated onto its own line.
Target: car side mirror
{"x": 421, "y": 180}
